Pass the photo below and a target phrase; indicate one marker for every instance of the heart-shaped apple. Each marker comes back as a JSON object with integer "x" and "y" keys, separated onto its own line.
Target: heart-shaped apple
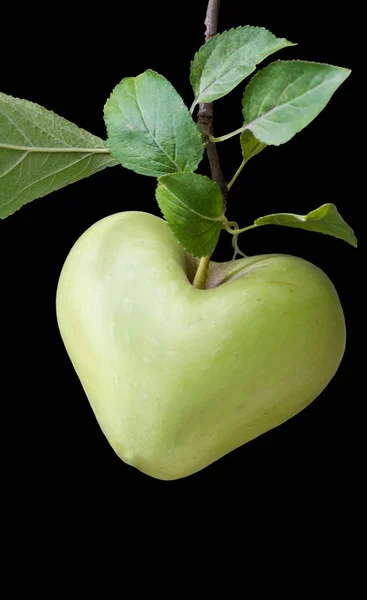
{"x": 177, "y": 377}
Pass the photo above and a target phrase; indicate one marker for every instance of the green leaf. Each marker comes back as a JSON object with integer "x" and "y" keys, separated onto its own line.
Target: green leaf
{"x": 193, "y": 207}
{"x": 228, "y": 57}
{"x": 324, "y": 219}
{"x": 283, "y": 98}
{"x": 250, "y": 145}
{"x": 150, "y": 130}
{"x": 41, "y": 152}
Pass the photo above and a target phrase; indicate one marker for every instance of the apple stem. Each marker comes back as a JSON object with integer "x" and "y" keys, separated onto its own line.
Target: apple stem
{"x": 201, "y": 273}
{"x": 205, "y": 124}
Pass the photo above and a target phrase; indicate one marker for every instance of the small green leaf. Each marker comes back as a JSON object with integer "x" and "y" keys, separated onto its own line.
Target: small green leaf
{"x": 250, "y": 145}
{"x": 283, "y": 98}
{"x": 324, "y": 219}
{"x": 150, "y": 130}
{"x": 228, "y": 57}
{"x": 41, "y": 152}
{"x": 193, "y": 207}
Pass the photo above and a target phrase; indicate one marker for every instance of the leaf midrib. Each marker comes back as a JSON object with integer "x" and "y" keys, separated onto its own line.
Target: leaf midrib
{"x": 55, "y": 150}
{"x": 178, "y": 168}
{"x": 186, "y": 206}
{"x": 282, "y": 105}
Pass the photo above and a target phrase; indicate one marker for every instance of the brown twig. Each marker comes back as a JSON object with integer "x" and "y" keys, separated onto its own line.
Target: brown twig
{"x": 205, "y": 112}
{"x": 211, "y": 19}
{"x": 205, "y": 124}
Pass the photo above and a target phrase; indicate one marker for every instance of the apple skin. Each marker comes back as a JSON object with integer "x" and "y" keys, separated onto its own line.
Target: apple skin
{"x": 178, "y": 377}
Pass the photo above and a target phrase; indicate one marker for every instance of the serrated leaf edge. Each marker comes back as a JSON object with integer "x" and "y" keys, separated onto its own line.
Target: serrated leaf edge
{"x": 54, "y": 114}
{"x": 247, "y": 125}
{"x": 309, "y": 217}
{"x": 183, "y": 105}
{"x": 220, "y": 34}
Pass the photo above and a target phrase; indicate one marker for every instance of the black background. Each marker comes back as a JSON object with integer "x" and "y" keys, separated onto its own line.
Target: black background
{"x": 54, "y": 451}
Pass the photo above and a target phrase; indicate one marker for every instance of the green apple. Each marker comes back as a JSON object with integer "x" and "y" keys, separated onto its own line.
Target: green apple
{"x": 178, "y": 377}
